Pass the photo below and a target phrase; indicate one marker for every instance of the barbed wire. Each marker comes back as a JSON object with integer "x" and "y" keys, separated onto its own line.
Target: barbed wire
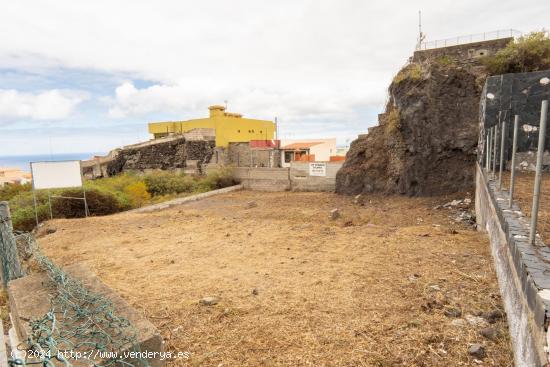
{"x": 78, "y": 320}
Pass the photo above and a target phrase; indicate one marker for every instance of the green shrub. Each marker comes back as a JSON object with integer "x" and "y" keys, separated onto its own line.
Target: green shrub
{"x": 393, "y": 122}
{"x": 24, "y": 219}
{"x": 527, "y": 53}
{"x": 216, "y": 180}
{"x": 10, "y": 190}
{"x": 444, "y": 60}
{"x": 163, "y": 183}
{"x": 137, "y": 193}
{"x": 108, "y": 195}
{"x": 99, "y": 203}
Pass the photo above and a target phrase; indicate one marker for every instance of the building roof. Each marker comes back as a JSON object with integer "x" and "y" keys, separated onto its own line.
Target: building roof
{"x": 301, "y": 145}
{"x": 259, "y": 144}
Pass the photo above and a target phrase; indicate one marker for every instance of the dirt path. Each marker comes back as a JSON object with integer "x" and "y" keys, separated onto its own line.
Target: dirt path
{"x": 369, "y": 289}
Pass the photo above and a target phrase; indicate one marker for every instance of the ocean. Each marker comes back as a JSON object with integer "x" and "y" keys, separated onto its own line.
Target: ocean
{"x": 23, "y": 161}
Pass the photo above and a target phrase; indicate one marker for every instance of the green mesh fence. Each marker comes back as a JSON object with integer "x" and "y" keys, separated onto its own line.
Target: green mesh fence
{"x": 11, "y": 268}
{"x": 79, "y": 325}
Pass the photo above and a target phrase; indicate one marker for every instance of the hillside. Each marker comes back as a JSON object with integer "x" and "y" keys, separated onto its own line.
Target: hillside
{"x": 425, "y": 143}
{"x": 426, "y": 140}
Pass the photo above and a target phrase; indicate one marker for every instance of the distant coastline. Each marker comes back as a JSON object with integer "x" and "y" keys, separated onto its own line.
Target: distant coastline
{"x": 23, "y": 161}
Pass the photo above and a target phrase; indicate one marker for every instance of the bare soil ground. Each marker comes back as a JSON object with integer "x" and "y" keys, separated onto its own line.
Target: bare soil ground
{"x": 523, "y": 194}
{"x": 296, "y": 288}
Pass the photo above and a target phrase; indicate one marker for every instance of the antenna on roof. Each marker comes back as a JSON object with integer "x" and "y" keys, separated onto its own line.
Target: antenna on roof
{"x": 421, "y": 36}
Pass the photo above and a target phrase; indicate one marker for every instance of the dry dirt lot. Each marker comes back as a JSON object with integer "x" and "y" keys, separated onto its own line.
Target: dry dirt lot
{"x": 381, "y": 286}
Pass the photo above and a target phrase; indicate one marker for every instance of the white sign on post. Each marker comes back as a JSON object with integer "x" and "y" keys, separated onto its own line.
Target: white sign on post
{"x": 52, "y": 175}
{"x": 318, "y": 169}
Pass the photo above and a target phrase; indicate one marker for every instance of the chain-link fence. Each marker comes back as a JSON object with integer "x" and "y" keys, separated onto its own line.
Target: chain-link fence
{"x": 79, "y": 321}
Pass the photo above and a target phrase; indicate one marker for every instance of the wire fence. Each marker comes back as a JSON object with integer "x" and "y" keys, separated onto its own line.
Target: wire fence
{"x": 80, "y": 326}
{"x": 471, "y": 38}
{"x": 10, "y": 266}
{"x": 514, "y": 155}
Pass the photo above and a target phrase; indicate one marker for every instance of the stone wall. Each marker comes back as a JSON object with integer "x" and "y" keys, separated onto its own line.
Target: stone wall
{"x": 522, "y": 270}
{"x": 469, "y": 52}
{"x": 241, "y": 155}
{"x": 515, "y": 94}
{"x": 173, "y": 153}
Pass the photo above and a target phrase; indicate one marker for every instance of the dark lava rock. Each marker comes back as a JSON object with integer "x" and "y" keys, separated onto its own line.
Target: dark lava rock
{"x": 490, "y": 333}
{"x": 477, "y": 350}
{"x": 425, "y": 143}
{"x": 493, "y": 316}
{"x": 165, "y": 155}
{"x": 453, "y": 312}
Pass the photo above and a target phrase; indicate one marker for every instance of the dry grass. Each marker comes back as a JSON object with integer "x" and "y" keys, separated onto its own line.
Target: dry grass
{"x": 411, "y": 71}
{"x": 523, "y": 195}
{"x": 369, "y": 289}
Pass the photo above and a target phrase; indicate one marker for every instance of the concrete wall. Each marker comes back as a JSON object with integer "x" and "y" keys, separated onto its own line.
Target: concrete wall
{"x": 302, "y": 181}
{"x": 522, "y": 269}
{"x": 469, "y": 52}
{"x": 295, "y": 178}
{"x": 263, "y": 179}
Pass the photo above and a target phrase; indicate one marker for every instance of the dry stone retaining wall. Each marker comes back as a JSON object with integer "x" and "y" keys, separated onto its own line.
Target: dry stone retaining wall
{"x": 523, "y": 271}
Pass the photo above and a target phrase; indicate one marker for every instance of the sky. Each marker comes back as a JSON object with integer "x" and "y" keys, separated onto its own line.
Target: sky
{"x": 87, "y": 76}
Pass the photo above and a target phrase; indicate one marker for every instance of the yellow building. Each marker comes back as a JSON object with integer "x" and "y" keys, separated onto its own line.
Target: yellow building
{"x": 229, "y": 127}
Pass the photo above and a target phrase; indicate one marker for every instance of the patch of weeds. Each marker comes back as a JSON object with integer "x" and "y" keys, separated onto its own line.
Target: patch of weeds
{"x": 412, "y": 72}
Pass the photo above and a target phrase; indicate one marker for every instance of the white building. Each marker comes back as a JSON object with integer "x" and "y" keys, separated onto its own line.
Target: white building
{"x": 307, "y": 150}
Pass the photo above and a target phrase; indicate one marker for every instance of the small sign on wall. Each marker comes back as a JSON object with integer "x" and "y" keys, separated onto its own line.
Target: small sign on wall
{"x": 318, "y": 169}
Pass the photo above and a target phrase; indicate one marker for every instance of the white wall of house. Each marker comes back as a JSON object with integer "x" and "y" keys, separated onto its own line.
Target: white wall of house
{"x": 322, "y": 151}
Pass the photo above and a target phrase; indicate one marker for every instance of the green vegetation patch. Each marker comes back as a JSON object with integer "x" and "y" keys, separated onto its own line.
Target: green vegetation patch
{"x": 527, "y": 53}
{"x": 110, "y": 195}
{"x": 412, "y": 72}
{"x": 393, "y": 122}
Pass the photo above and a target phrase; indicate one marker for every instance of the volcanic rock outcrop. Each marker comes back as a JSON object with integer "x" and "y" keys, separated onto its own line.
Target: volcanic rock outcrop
{"x": 425, "y": 143}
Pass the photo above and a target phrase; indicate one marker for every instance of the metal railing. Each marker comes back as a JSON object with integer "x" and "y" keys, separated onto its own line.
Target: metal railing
{"x": 491, "y": 151}
{"x": 471, "y": 38}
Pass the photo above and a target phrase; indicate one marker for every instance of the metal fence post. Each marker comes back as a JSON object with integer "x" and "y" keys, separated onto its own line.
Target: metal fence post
{"x": 490, "y": 150}
{"x": 11, "y": 268}
{"x": 502, "y": 133}
{"x": 486, "y": 151}
{"x": 495, "y": 150}
{"x": 538, "y": 175}
{"x": 513, "y": 168}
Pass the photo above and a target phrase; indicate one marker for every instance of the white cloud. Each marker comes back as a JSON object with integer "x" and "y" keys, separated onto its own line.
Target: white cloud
{"x": 293, "y": 102}
{"x": 47, "y": 105}
{"x": 321, "y": 65}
